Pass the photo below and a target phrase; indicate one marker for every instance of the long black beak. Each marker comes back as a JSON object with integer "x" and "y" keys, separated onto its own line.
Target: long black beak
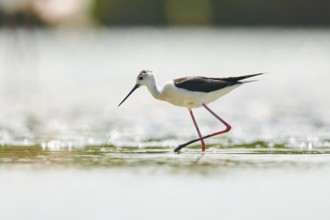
{"x": 135, "y": 87}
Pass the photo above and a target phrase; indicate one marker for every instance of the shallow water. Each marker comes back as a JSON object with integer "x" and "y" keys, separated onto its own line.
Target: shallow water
{"x": 159, "y": 158}
{"x": 67, "y": 151}
{"x": 147, "y": 183}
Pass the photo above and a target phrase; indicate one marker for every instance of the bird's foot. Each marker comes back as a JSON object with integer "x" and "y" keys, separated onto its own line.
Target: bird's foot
{"x": 176, "y": 150}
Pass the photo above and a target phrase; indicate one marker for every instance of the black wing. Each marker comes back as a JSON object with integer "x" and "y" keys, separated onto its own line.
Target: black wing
{"x": 205, "y": 84}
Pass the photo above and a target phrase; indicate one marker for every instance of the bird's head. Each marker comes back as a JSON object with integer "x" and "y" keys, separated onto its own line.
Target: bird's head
{"x": 145, "y": 78}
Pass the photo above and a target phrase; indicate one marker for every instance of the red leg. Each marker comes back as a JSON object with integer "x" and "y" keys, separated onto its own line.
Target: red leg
{"x": 228, "y": 127}
{"x": 198, "y": 131}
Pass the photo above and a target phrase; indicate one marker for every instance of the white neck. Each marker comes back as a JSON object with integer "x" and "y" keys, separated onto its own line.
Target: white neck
{"x": 154, "y": 90}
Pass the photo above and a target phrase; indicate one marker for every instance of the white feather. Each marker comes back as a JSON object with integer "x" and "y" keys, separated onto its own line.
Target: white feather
{"x": 185, "y": 98}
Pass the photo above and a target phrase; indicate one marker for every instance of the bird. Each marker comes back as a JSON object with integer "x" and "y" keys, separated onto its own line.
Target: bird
{"x": 191, "y": 92}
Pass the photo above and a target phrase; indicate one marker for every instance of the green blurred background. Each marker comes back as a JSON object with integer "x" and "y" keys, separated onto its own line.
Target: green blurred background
{"x": 164, "y": 12}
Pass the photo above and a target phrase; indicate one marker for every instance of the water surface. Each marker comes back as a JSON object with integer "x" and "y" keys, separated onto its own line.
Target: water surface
{"x": 67, "y": 151}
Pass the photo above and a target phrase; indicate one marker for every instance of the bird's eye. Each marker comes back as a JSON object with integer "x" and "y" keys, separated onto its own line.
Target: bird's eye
{"x": 140, "y": 77}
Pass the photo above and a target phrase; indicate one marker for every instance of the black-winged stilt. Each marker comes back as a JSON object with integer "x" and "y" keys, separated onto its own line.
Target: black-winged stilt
{"x": 191, "y": 92}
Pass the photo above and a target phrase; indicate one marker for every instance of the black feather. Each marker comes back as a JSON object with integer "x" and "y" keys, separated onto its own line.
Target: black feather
{"x": 205, "y": 84}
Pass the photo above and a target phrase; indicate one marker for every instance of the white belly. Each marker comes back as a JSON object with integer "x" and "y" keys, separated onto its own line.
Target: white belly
{"x": 185, "y": 98}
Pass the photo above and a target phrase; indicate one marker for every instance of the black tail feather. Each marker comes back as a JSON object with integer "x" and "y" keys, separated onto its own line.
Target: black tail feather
{"x": 239, "y": 78}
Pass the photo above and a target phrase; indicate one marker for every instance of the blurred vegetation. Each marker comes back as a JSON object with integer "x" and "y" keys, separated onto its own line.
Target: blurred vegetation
{"x": 212, "y": 12}
{"x": 166, "y": 12}
{"x": 25, "y": 18}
